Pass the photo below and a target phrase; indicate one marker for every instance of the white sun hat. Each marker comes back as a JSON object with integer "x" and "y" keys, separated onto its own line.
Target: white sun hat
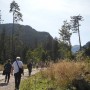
{"x": 18, "y": 58}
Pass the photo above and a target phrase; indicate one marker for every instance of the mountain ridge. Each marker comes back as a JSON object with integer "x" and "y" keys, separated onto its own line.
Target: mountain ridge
{"x": 27, "y": 34}
{"x": 75, "y": 48}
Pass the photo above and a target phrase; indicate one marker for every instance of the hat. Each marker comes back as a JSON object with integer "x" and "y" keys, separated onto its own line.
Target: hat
{"x": 18, "y": 58}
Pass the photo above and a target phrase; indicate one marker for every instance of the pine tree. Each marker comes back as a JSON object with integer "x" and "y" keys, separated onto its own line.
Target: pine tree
{"x": 17, "y": 16}
{"x": 75, "y": 26}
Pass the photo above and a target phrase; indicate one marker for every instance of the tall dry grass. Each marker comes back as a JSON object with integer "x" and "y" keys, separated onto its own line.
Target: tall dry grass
{"x": 63, "y": 73}
{"x": 1, "y": 67}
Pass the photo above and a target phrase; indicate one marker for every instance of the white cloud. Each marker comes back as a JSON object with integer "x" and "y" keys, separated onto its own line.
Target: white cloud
{"x": 50, "y": 5}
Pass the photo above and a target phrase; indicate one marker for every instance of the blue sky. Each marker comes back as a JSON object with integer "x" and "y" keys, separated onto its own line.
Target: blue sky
{"x": 48, "y": 15}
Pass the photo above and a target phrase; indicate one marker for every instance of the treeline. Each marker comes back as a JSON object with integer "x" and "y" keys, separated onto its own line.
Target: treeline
{"x": 25, "y": 39}
{"x": 31, "y": 48}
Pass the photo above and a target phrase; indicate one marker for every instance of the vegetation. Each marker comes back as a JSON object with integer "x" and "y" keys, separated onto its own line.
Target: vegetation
{"x": 65, "y": 33}
{"x": 1, "y": 67}
{"x": 24, "y": 41}
{"x": 65, "y": 72}
{"x": 38, "y": 82}
{"x": 64, "y": 75}
{"x": 17, "y": 16}
{"x": 75, "y": 25}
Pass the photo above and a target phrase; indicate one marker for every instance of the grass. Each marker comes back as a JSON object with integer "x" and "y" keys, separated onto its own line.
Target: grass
{"x": 1, "y": 67}
{"x": 58, "y": 76}
{"x": 37, "y": 82}
{"x": 65, "y": 72}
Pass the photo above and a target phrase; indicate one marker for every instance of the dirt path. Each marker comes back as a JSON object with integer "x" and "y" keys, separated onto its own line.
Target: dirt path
{"x": 10, "y": 85}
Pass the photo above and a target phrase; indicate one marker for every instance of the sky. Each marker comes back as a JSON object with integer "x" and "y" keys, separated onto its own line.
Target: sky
{"x": 48, "y": 15}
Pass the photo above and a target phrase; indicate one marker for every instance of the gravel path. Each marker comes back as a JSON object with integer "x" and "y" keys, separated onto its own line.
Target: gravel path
{"x": 10, "y": 85}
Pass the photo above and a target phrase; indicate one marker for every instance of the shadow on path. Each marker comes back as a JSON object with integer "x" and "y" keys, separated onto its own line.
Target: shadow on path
{"x": 3, "y": 84}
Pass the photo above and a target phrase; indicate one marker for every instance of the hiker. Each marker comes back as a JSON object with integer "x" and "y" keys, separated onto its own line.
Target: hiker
{"x": 29, "y": 66}
{"x": 7, "y": 68}
{"x": 17, "y": 75}
{"x": 37, "y": 65}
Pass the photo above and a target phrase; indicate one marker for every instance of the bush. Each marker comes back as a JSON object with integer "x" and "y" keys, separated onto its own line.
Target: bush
{"x": 60, "y": 76}
{"x": 65, "y": 72}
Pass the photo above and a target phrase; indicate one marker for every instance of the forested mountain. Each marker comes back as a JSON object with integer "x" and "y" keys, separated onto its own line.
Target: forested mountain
{"x": 87, "y": 45}
{"x": 76, "y": 48}
{"x": 24, "y": 38}
{"x": 28, "y": 35}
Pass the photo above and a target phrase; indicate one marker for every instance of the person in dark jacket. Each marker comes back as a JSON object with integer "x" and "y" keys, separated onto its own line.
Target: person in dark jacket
{"x": 29, "y": 66}
{"x": 7, "y": 68}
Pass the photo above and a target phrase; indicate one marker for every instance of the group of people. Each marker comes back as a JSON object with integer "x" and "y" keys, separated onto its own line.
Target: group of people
{"x": 15, "y": 68}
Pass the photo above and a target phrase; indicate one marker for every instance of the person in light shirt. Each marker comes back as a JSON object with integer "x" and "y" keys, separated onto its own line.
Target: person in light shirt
{"x": 15, "y": 67}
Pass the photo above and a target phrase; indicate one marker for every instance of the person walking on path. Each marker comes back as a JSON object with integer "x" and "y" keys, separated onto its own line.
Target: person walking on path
{"x": 17, "y": 75}
{"x": 29, "y": 66}
{"x": 7, "y": 68}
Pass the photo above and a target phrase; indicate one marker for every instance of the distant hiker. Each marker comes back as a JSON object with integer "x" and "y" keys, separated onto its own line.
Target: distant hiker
{"x": 37, "y": 65}
{"x": 7, "y": 68}
{"x": 42, "y": 64}
{"x": 15, "y": 66}
{"x": 29, "y": 66}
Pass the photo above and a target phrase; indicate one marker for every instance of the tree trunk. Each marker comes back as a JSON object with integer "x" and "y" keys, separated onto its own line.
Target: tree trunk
{"x": 79, "y": 36}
